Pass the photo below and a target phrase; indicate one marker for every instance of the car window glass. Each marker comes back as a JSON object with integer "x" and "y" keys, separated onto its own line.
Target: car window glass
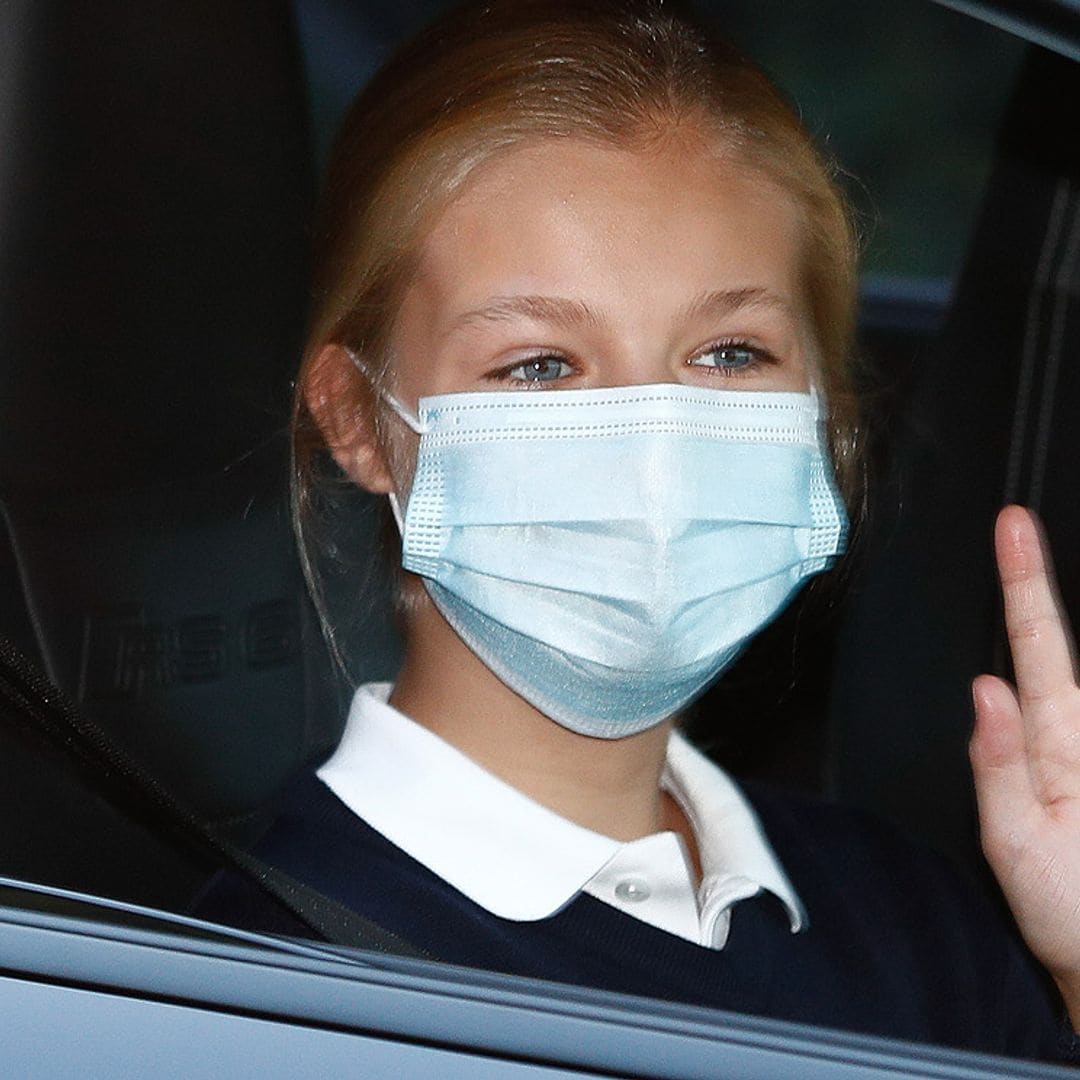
{"x": 908, "y": 96}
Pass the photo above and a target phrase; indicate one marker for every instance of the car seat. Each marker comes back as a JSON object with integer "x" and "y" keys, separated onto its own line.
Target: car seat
{"x": 155, "y": 188}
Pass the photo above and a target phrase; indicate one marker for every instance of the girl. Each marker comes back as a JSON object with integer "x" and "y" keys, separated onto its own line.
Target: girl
{"x": 584, "y": 300}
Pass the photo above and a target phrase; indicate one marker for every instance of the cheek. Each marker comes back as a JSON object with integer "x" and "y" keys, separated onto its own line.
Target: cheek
{"x": 822, "y": 306}
{"x": 412, "y": 370}
{"x": 813, "y": 362}
{"x": 813, "y": 371}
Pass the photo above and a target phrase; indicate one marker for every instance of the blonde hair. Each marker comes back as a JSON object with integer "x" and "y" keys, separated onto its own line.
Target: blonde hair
{"x": 491, "y": 75}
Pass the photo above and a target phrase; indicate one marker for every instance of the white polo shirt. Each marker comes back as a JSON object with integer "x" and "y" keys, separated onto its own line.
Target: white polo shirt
{"x": 521, "y": 861}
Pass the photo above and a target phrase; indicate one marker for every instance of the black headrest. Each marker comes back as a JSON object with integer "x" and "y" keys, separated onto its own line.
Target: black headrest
{"x": 155, "y": 189}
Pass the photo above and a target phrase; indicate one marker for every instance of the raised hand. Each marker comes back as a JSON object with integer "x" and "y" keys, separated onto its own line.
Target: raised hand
{"x": 1025, "y": 754}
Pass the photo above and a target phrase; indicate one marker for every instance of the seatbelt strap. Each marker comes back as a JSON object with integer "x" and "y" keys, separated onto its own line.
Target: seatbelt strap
{"x": 47, "y": 710}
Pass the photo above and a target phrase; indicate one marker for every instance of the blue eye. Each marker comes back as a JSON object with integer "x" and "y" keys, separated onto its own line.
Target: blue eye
{"x": 540, "y": 369}
{"x": 728, "y": 358}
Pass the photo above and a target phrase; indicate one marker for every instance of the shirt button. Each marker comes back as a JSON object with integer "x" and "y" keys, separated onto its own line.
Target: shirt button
{"x": 633, "y": 890}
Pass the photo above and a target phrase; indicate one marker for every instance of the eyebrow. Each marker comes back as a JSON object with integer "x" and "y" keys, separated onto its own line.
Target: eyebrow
{"x": 563, "y": 311}
{"x": 727, "y": 301}
{"x": 552, "y": 309}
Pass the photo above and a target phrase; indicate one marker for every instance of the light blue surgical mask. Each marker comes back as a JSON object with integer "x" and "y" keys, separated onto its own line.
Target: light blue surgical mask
{"x": 608, "y": 553}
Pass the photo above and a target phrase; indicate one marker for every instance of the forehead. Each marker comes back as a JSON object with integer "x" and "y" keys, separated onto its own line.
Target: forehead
{"x": 566, "y": 215}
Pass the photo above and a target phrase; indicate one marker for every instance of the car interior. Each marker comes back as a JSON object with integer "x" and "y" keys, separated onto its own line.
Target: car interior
{"x": 159, "y": 170}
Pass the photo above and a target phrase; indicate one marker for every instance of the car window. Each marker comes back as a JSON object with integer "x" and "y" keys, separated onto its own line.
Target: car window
{"x": 908, "y": 96}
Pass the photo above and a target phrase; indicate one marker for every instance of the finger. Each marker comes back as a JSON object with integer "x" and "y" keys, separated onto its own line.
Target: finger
{"x": 1038, "y": 637}
{"x": 1003, "y": 783}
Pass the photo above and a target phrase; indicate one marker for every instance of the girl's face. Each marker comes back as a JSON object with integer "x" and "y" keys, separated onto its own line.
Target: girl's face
{"x": 563, "y": 264}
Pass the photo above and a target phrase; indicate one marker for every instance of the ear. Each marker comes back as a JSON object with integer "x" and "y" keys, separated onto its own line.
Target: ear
{"x": 342, "y": 404}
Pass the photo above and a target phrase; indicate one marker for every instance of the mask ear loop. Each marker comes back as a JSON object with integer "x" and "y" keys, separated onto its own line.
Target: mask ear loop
{"x": 411, "y": 421}
{"x": 395, "y": 509}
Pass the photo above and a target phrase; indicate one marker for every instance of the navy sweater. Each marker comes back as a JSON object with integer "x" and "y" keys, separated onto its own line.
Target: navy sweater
{"x": 897, "y": 945}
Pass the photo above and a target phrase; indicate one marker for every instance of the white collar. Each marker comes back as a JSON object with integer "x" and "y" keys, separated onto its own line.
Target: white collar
{"x": 513, "y": 856}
